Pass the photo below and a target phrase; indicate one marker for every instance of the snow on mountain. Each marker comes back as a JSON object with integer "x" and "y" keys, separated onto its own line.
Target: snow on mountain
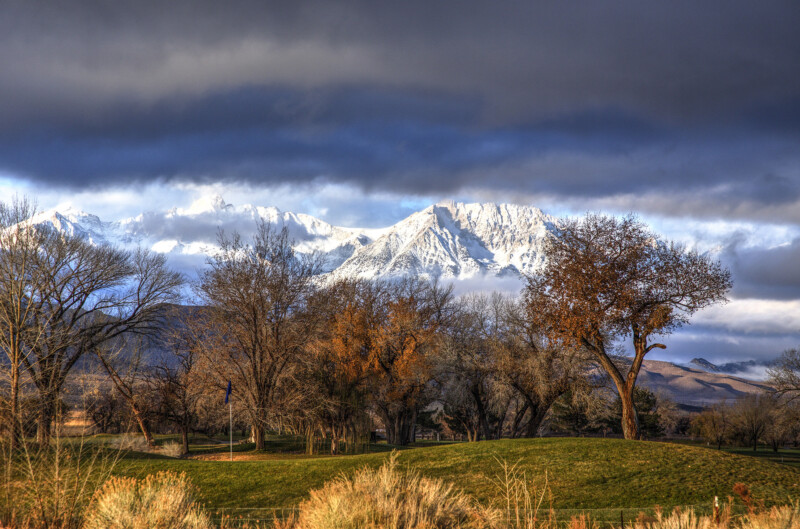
{"x": 448, "y": 240}
{"x": 455, "y": 240}
{"x": 189, "y": 235}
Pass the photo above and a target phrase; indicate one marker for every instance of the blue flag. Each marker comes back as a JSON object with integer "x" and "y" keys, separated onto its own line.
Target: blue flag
{"x": 228, "y": 392}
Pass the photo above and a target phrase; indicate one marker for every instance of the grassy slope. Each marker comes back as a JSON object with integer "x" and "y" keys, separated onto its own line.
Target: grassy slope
{"x": 582, "y": 473}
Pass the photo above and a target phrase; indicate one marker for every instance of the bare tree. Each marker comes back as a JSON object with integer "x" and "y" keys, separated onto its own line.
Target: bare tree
{"x": 751, "y": 417}
{"x": 538, "y": 364}
{"x": 714, "y": 424}
{"x": 785, "y": 375}
{"x": 607, "y": 278}
{"x": 256, "y": 325}
{"x": 473, "y": 397}
{"x": 64, "y": 297}
{"x": 176, "y": 388}
{"x": 782, "y": 422}
{"x": 91, "y": 296}
{"x": 123, "y": 364}
{"x": 19, "y": 248}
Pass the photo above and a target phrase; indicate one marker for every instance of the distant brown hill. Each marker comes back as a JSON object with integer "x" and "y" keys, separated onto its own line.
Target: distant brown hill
{"x": 694, "y": 387}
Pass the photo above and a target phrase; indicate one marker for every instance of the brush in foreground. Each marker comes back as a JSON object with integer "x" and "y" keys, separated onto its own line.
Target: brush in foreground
{"x": 785, "y": 517}
{"x": 388, "y": 498}
{"x": 160, "y": 500}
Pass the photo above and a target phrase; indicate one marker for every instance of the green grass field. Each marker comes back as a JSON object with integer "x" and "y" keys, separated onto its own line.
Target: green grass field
{"x": 604, "y": 476}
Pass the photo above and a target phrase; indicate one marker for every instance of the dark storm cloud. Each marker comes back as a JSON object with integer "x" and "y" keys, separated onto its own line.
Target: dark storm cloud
{"x": 582, "y": 100}
{"x": 676, "y": 57}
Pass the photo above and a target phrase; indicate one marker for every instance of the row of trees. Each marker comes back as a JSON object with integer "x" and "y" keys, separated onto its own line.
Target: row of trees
{"x": 771, "y": 418}
{"x": 751, "y": 420}
{"x": 317, "y": 359}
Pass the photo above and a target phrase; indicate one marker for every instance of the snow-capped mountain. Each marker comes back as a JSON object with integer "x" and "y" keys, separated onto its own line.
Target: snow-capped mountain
{"x": 455, "y": 240}
{"x": 447, "y": 240}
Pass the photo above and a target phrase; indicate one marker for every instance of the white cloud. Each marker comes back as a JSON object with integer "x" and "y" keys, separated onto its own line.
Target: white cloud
{"x": 753, "y": 316}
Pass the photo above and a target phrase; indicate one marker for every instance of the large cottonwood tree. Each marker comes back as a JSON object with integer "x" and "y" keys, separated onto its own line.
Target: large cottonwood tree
{"x": 255, "y": 324}
{"x": 63, "y": 297}
{"x": 92, "y": 296}
{"x": 538, "y": 364}
{"x": 404, "y": 336}
{"x": 475, "y": 399}
{"x": 609, "y": 279}
{"x": 332, "y": 389}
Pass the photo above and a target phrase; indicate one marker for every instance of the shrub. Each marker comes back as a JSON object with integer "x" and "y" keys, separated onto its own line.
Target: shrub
{"x": 160, "y": 500}
{"x": 786, "y": 517}
{"x": 172, "y": 449}
{"x": 388, "y": 498}
{"x": 130, "y": 441}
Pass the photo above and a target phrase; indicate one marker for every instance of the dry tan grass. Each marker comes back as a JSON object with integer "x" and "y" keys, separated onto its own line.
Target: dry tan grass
{"x": 161, "y": 500}
{"x": 50, "y": 487}
{"x": 524, "y": 500}
{"x": 388, "y": 498}
{"x": 785, "y": 517}
{"x": 129, "y": 441}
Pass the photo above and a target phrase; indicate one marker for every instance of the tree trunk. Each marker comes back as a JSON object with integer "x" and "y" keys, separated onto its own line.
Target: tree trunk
{"x": 399, "y": 427}
{"x": 538, "y": 413}
{"x": 44, "y": 422}
{"x": 143, "y": 426}
{"x": 334, "y": 441}
{"x": 16, "y": 416}
{"x": 258, "y": 437}
{"x": 483, "y": 419}
{"x": 185, "y": 440}
{"x": 518, "y": 416}
{"x": 630, "y": 420}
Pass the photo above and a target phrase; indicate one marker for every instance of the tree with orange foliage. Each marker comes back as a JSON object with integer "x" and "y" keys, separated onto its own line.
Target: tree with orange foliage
{"x": 402, "y": 341}
{"x": 337, "y": 371}
{"x": 608, "y": 279}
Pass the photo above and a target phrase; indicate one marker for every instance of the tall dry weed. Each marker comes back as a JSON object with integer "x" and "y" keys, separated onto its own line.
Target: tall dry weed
{"x": 50, "y": 486}
{"x": 523, "y": 499}
{"x": 678, "y": 519}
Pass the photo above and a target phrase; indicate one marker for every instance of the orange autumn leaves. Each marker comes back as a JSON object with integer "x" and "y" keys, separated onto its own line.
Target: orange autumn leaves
{"x": 381, "y": 335}
{"x": 379, "y": 339}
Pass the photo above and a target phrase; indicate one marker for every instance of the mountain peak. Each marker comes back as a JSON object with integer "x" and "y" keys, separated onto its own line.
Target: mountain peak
{"x": 213, "y": 203}
{"x": 704, "y": 364}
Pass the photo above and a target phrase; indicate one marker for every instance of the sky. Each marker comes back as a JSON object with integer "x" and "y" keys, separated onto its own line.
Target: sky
{"x": 361, "y": 112}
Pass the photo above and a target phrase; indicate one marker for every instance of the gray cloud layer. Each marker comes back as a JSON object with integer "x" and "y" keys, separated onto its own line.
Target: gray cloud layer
{"x": 676, "y": 59}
